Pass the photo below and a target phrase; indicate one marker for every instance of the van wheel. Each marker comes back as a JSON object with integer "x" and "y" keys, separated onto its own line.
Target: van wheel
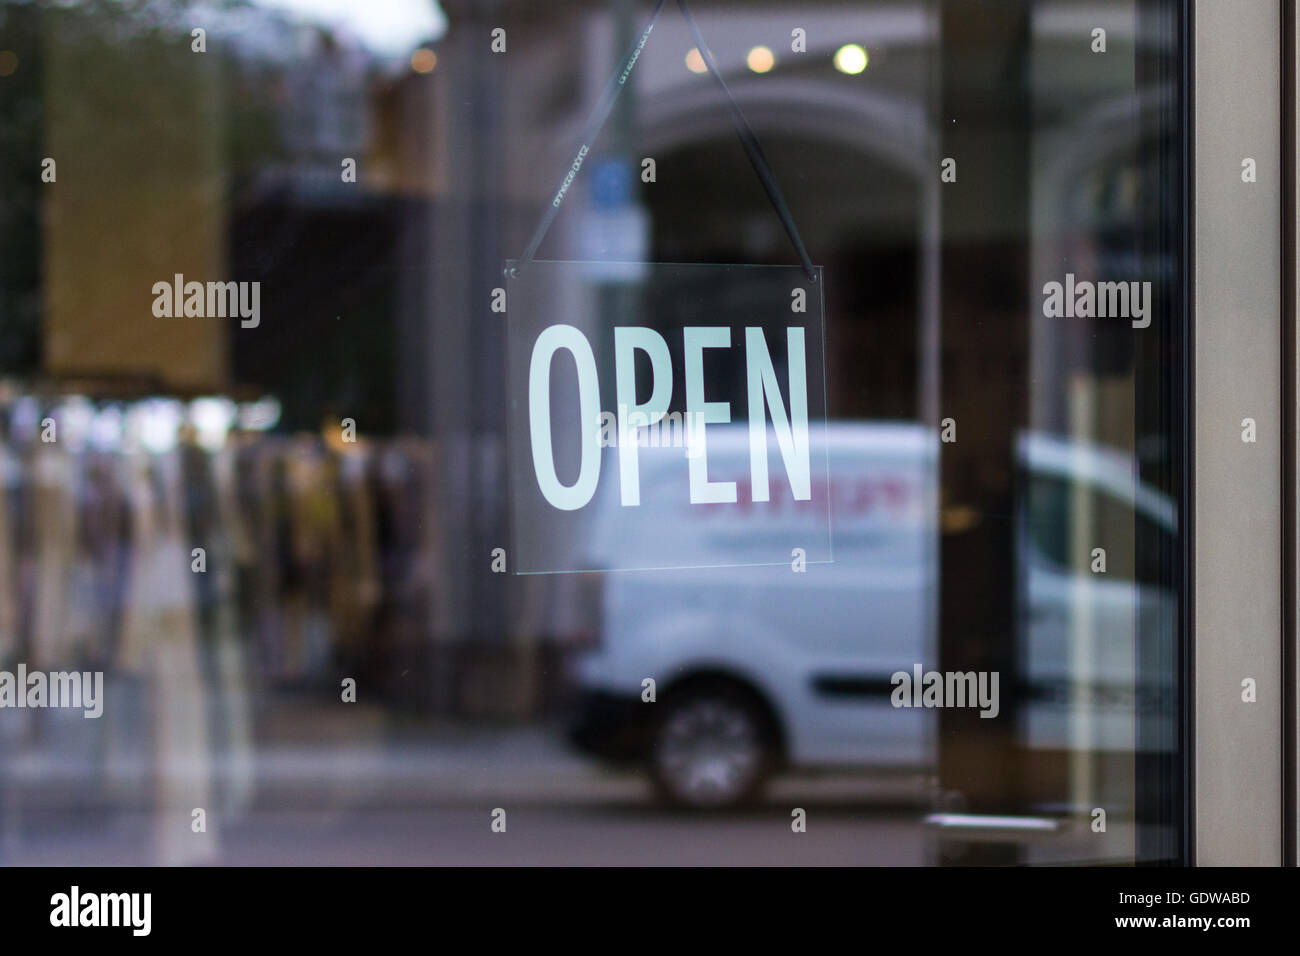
{"x": 712, "y": 748}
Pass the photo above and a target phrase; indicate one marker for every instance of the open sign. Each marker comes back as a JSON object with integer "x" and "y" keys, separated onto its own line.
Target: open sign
{"x": 702, "y": 386}
{"x": 763, "y": 395}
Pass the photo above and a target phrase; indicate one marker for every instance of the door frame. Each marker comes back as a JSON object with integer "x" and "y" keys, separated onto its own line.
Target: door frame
{"x": 1238, "y": 619}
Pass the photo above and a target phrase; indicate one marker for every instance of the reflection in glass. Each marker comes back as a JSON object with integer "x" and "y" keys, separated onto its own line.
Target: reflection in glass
{"x": 292, "y": 548}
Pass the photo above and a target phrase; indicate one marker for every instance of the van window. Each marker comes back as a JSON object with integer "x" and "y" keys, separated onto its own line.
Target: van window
{"x": 1065, "y": 521}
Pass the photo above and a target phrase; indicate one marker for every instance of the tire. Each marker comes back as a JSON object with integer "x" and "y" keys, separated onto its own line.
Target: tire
{"x": 713, "y": 748}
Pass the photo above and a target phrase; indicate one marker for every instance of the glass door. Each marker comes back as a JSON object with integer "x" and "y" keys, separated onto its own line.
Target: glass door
{"x": 732, "y": 431}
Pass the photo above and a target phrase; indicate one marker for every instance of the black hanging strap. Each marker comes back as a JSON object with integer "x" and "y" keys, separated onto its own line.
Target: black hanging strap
{"x": 601, "y": 113}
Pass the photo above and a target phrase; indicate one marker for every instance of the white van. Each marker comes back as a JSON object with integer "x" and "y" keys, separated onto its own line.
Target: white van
{"x": 757, "y": 666}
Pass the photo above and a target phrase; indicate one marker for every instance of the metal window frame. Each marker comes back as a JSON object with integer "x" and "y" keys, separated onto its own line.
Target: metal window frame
{"x": 1291, "y": 450}
{"x": 1240, "y": 547}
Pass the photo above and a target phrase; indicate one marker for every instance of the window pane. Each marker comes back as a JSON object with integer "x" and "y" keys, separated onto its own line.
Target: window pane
{"x": 822, "y": 454}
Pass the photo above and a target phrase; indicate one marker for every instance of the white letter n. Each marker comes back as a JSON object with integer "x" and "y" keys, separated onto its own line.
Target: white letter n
{"x": 791, "y": 433}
